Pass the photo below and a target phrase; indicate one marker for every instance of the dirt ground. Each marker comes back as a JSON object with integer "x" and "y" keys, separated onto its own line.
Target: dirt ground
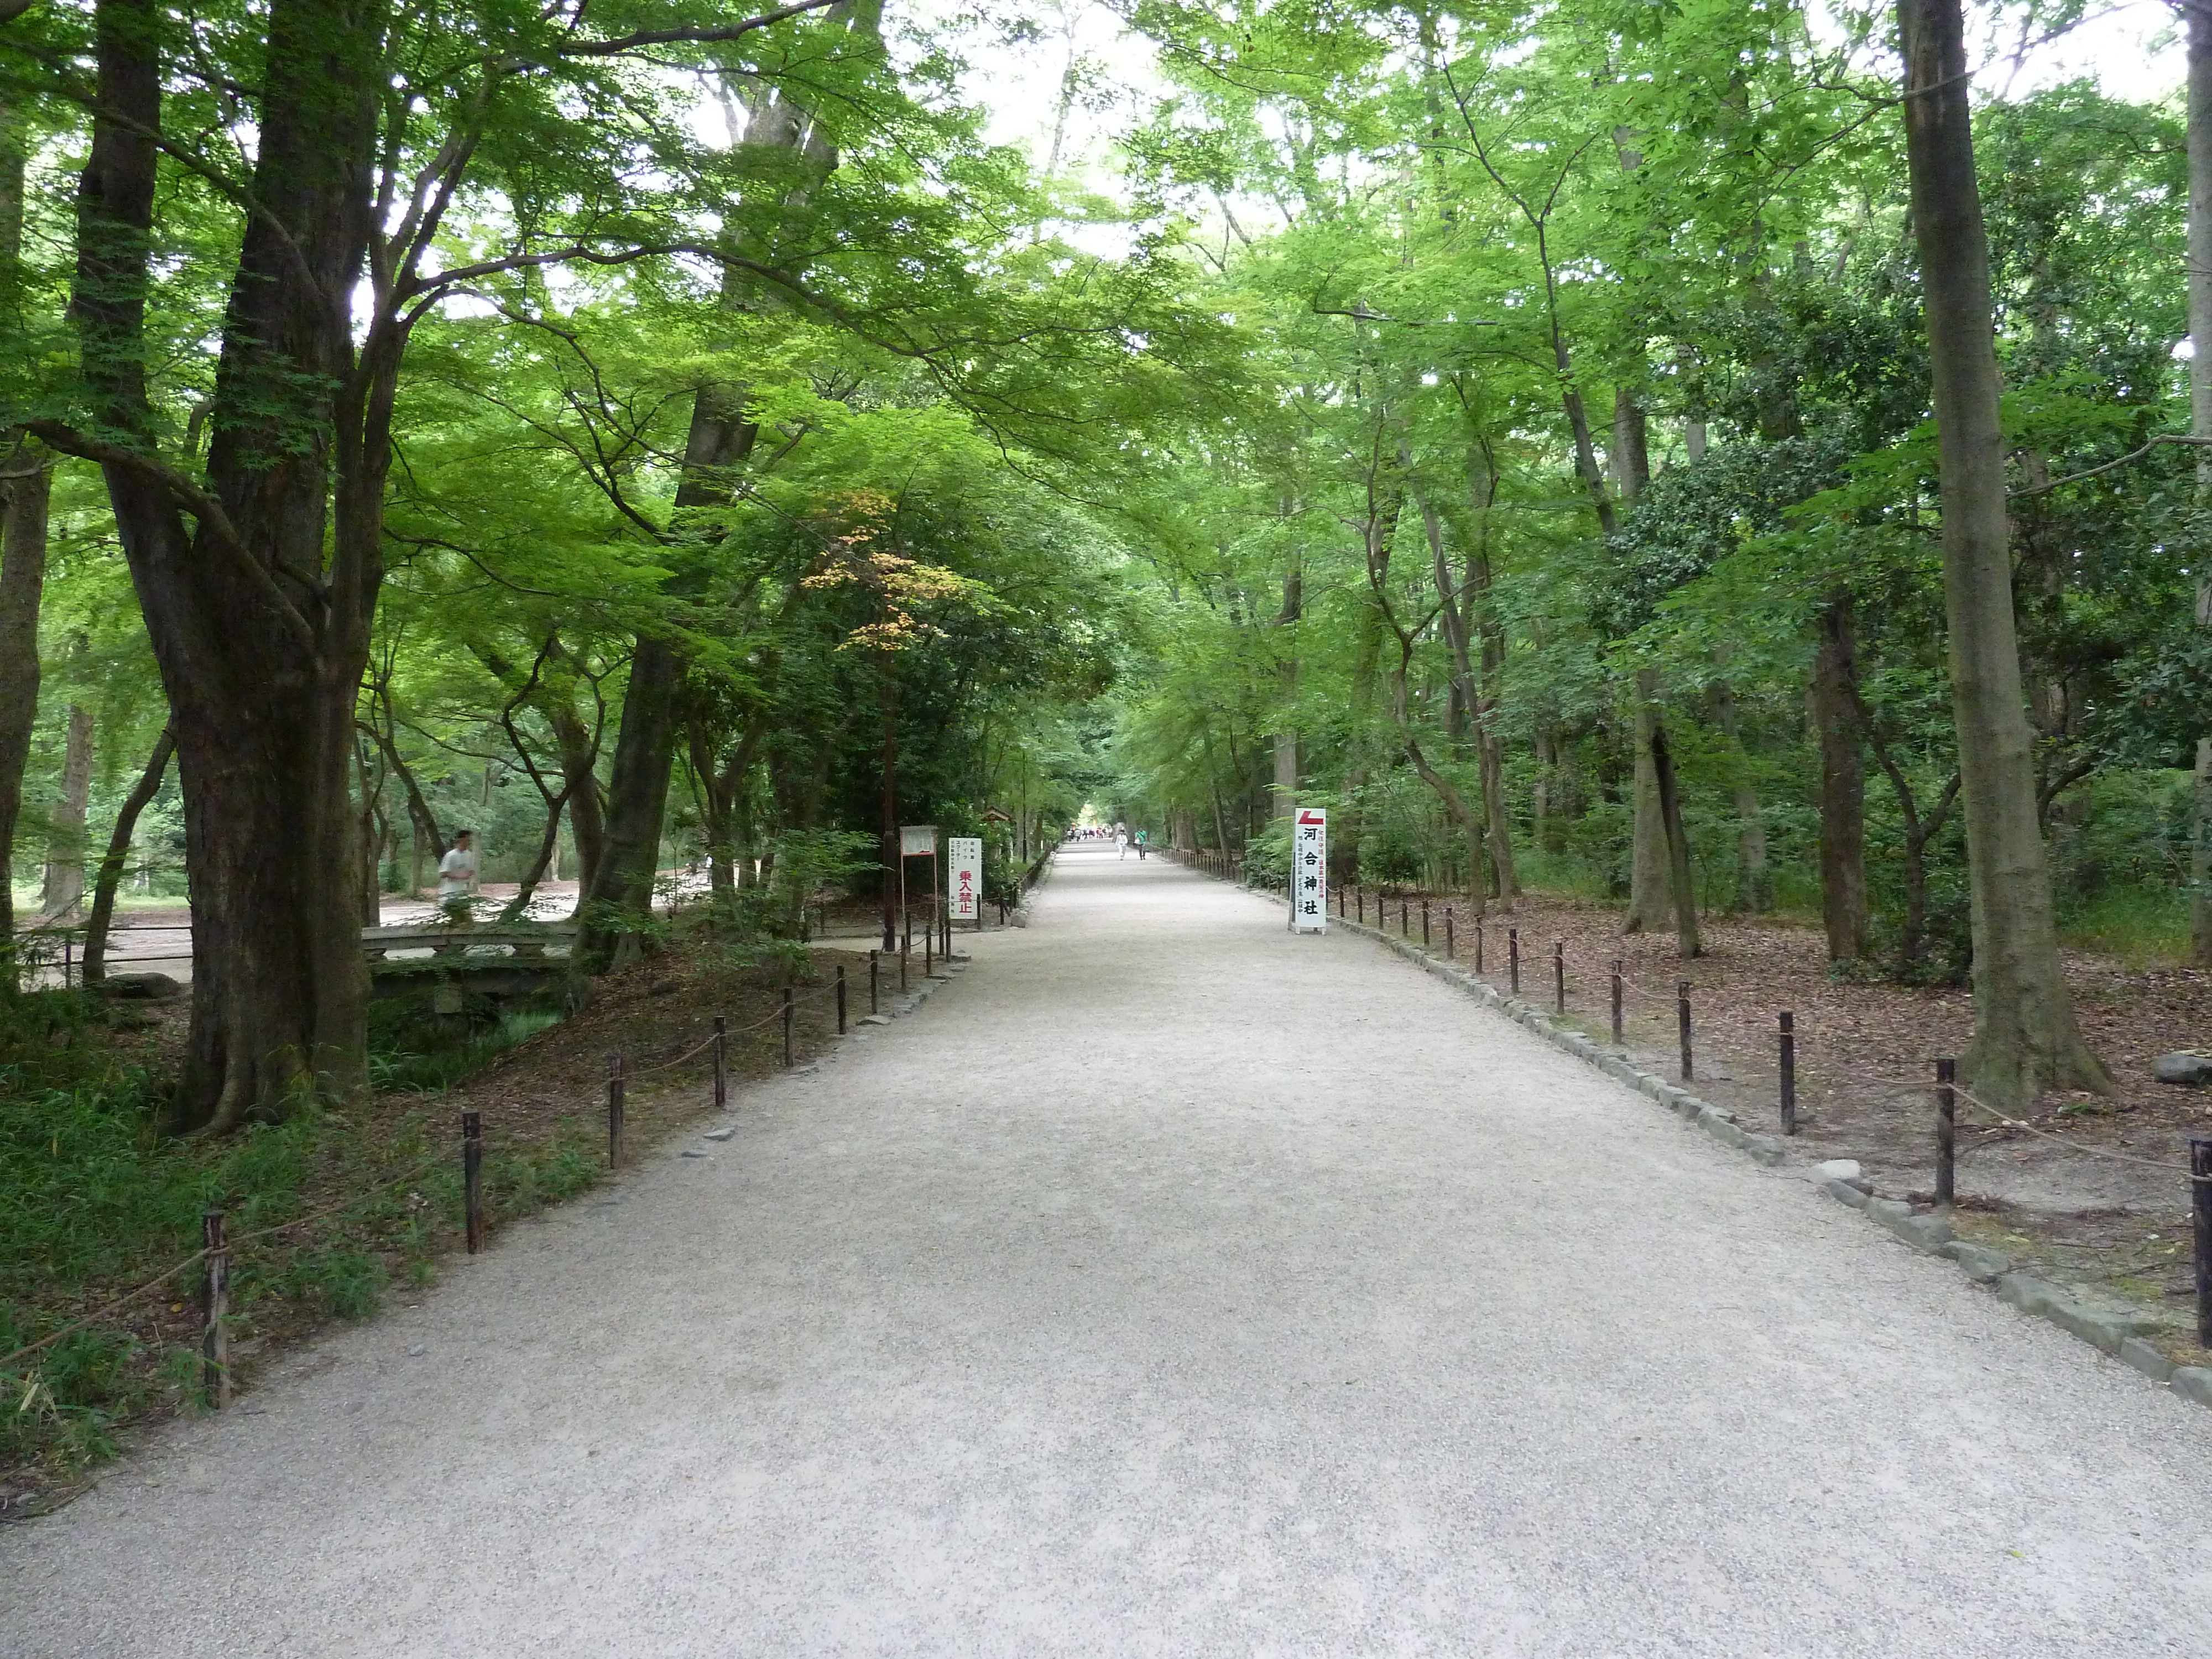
{"x": 2068, "y": 1208}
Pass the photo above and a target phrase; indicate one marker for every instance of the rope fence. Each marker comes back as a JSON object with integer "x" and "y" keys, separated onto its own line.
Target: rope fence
{"x": 216, "y": 1252}
{"x": 1413, "y": 914}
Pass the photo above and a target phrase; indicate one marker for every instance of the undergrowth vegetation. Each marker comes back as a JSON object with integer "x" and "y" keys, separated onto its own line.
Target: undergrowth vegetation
{"x": 96, "y": 1200}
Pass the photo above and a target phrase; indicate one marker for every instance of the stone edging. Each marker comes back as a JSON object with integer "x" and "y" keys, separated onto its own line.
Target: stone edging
{"x": 2112, "y": 1332}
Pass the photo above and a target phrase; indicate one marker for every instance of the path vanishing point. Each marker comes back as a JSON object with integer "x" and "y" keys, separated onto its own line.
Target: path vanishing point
{"x": 1167, "y": 1286}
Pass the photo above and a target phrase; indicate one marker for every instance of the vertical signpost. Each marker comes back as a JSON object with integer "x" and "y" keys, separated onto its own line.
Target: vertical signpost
{"x": 1309, "y": 871}
{"x": 916, "y": 841}
{"x": 964, "y": 877}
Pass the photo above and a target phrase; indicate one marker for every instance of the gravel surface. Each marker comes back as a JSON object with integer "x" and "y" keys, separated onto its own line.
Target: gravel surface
{"x": 1168, "y": 1285}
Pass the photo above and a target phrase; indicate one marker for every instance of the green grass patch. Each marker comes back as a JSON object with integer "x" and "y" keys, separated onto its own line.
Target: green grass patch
{"x": 2143, "y": 926}
{"x": 94, "y": 1201}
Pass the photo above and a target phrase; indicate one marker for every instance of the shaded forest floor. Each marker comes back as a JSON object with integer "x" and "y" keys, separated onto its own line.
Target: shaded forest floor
{"x": 2067, "y": 1208}
{"x": 93, "y": 1204}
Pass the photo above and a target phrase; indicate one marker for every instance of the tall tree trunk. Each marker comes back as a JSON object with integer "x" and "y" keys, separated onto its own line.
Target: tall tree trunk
{"x": 1682, "y": 880}
{"x": 118, "y": 850}
{"x": 24, "y": 490}
{"x": 1631, "y": 448}
{"x": 2026, "y": 1039}
{"x": 64, "y": 887}
{"x": 1650, "y": 864}
{"x": 259, "y": 618}
{"x": 1843, "y": 783}
{"x": 2200, "y": 425}
{"x": 1751, "y": 893}
{"x": 720, "y": 441}
{"x": 1286, "y": 790}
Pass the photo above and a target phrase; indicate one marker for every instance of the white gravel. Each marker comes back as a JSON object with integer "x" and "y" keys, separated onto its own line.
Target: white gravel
{"x": 1168, "y": 1285}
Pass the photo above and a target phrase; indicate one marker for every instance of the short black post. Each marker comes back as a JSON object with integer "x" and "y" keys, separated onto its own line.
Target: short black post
{"x": 929, "y": 949}
{"x": 786, "y": 1028}
{"x": 1788, "y": 1040}
{"x": 840, "y": 999}
{"x": 1405, "y": 917}
{"x": 1947, "y": 1131}
{"x": 721, "y": 1062}
{"x": 1448, "y": 933}
{"x": 1362, "y": 897}
{"x": 1513, "y": 958}
{"x": 1559, "y": 975}
{"x": 1619, "y": 995}
{"x": 1425, "y": 924}
{"x": 472, "y": 1178}
{"x": 614, "y": 1111}
{"x": 69, "y": 955}
{"x": 903, "y": 955}
{"x": 214, "y": 1306}
{"x": 1478, "y": 945}
{"x": 2200, "y": 1184}
{"x": 1682, "y": 1023}
{"x": 875, "y": 977}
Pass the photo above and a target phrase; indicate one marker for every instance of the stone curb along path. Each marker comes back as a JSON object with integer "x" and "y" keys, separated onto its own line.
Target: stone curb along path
{"x": 2117, "y": 1332}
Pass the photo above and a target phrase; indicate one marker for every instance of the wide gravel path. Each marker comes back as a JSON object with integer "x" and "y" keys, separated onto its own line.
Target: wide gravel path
{"x": 1166, "y": 1284}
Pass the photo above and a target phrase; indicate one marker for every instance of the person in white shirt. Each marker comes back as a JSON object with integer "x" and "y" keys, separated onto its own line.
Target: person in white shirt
{"x": 457, "y": 875}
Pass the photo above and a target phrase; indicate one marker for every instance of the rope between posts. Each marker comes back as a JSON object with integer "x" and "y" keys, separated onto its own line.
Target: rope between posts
{"x": 233, "y": 1243}
{"x": 2007, "y": 1120}
{"x": 1921, "y": 1085}
{"x": 155, "y": 1283}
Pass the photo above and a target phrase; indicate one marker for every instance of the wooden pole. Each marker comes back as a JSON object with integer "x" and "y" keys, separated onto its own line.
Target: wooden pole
{"x": 472, "y": 1178}
{"x": 1619, "y": 995}
{"x": 2200, "y": 1184}
{"x": 1947, "y": 1131}
{"x": 840, "y": 999}
{"x": 215, "y": 1302}
{"x": 1513, "y": 958}
{"x": 786, "y": 1028}
{"x": 721, "y": 1063}
{"x": 614, "y": 1111}
{"x": 1788, "y": 1036}
{"x": 1682, "y": 1024}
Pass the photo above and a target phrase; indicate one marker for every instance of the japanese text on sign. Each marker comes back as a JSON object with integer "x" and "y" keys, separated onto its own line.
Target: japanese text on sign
{"x": 963, "y": 876}
{"x": 1309, "y": 871}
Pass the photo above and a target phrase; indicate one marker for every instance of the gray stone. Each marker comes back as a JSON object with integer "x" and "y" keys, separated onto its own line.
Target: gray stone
{"x": 149, "y": 987}
{"x": 1764, "y": 1149}
{"x": 2138, "y": 1353}
{"x": 1839, "y": 1169}
{"x": 1844, "y": 1193}
{"x": 1930, "y": 1233}
{"x": 1888, "y": 1210}
{"x": 723, "y": 1133}
{"x": 2098, "y": 1329}
{"x": 692, "y": 1152}
{"x": 2182, "y": 1069}
{"x": 1983, "y": 1265}
{"x": 2027, "y": 1292}
{"x": 2192, "y": 1382}
{"x": 414, "y": 1351}
{"x": 875, "y": 1019}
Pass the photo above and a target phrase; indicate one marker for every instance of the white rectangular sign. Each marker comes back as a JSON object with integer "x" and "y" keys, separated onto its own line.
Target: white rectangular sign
{"x": 917, "y": 841}
{"x": 963, "y": 876}
{"x": 1309, "y": 870}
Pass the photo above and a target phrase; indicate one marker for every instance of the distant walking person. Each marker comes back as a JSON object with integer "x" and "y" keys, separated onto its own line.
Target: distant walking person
{"x": 457, "y": 876}
{"x": 1143, "y": 845}
{"x": 1121, "y": 839}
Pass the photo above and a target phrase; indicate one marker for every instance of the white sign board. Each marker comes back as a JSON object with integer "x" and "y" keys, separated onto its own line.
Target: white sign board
{"x": 963, "y": 876}
{"x": 1309, "y": 871}
{"x": 917, "y": 841}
